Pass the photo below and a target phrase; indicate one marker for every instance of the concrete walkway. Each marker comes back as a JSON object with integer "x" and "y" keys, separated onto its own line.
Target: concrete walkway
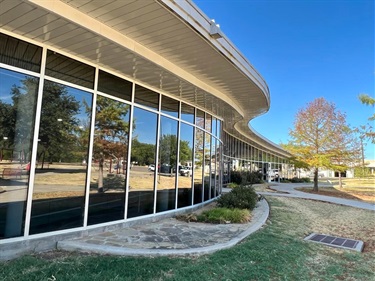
{"x": 169, "y": 237}
{"x": 288, "y": 190}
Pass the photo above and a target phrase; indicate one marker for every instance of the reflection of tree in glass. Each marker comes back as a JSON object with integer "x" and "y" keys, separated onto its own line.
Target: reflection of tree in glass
{"x": 168, "y": 150}
{"x": 111, "y": 132}
{"x": 142, "y": 153}
{"x": 17, "y": 119}
{"x": 58, "y": 124}
{"x": 199, "y": 148}
{"x": 185, "y": 152}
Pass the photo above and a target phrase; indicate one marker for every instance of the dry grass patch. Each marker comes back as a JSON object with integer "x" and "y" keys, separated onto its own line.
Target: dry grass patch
{"x": 331, "y": 219}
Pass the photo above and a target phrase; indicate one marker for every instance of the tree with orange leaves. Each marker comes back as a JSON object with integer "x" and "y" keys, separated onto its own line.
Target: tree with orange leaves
{"x": 322, "y": 139}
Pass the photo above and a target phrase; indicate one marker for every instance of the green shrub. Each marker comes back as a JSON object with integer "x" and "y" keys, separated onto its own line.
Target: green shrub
{"x": 232, "y": 185}
{"x": 236, "y": 177}
{"x": 245, "y": 177}
{"x": 300, "y": 180}
{"x": 241, "y": 197}
{"x": 225, "y": 215}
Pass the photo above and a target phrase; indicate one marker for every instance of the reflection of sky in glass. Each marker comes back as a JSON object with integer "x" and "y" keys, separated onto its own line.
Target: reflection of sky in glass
{"x": 186, "y": 134}
{"x": 7, "y": 80}
{"x": 145, "y": 126}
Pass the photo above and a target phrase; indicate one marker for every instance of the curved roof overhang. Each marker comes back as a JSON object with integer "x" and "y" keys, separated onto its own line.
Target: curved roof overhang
{"x": 168, "y": 45}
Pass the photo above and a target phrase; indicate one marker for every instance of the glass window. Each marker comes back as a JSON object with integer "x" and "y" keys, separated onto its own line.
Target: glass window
{"x": 114, "y": 86}
{"x": 170, "y": 106}
{"x": 186, "y": 166}
{"x": 166, "y": 180}
{"x": 214, "y": 124}
{"x": 19, "y": 53}
{"x": 146, "y": 97}
{"x": 198, "y": 166}
{"x": 18, "y": 95}
{"x": 218, "y": 130}
{"x": 70, "y": 70}
{"x": 143, "y": 164}
{"x": 199, "y": 121}
{"x": 208, "y": 123}
{"x": 60, "y": 175}
{"x": 213, "y": 166}
{"x": 207, "y": 166}
{"x": 187, "y": 113}
{"x": 110, "y": 154}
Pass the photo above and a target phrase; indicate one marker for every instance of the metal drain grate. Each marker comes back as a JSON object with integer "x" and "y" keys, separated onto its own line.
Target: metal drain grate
{"x": 338, "y": 242}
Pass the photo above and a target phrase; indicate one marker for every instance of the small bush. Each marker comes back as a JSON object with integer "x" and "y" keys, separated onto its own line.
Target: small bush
{"x": 225, "y": 215}
{"x": 300, "y": 180}
{"x": 232, "y": 185}
{"x": 245, "y": 177}
{"x": 241, "y": 197}
{"x": 236, "y": 177}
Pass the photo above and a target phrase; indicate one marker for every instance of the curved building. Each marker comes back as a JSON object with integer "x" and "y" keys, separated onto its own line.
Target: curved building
{"x": 115, "y": 112}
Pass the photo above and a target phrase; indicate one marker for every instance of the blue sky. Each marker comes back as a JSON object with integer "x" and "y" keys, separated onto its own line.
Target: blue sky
{"x": 305, "y": 49}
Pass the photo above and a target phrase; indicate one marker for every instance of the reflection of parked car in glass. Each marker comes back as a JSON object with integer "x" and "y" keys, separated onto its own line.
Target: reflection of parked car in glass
{"x": 274, "y": 173}
{"x": 151, "y": 167}
{"x": 186, "y": 171}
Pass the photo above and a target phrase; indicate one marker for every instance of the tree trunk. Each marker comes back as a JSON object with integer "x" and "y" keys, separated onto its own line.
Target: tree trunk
{"x": 340, "y": 180}
{"x": 101, "y": 172}
{"x": 316, "y": 179}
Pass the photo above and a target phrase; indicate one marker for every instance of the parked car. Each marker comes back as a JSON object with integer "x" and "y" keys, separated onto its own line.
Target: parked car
{"x": 186, "y": 171}
{"x": 151, "y": 167}
{"x": 274, "y": 173}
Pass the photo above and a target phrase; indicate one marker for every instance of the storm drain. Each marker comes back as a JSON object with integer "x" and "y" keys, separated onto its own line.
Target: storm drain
{"x": 334, "y": 241}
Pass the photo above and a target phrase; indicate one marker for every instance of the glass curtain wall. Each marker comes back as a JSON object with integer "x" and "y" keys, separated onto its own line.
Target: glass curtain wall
{"x": 166, "y": 177}
{"x": 18, "y": 95}
{"x": 143, "y": 157}
{"x": 185, "y": 177}
{"x": 110, "y": 151}
{"x": 63, "y": 141}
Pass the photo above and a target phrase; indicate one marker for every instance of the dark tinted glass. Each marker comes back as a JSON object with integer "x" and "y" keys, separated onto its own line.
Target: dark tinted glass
{"x": 199, "y": 120}
{"x": 19, "y": 53}
{"x": 70, "y": 70}
{"x": 60, "y": 174}
{"x": 208, "y": 123}
{"x": 18, "y": 95}
{"x": 144, "y": 164}
{"x": 111, "y": 142}
{"x": 166, "y": 187}
{"x": 187, "y": 113}
{"x": 186, "y": 166}
{"x": 114, "y": 86}
{"x": 169, "y": 106}
{"x": 198, "y": 166}
{"x": 146, "y": 97}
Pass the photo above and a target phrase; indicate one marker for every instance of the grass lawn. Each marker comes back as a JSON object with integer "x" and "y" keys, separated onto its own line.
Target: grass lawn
{"x": 355, "y": 189}
{"x": 277, "y": 252}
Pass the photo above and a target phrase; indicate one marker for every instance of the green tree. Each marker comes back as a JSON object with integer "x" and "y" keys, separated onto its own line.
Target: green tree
{"x": 345, "y": 151}
{"x": 316, "y": 129}
{"x": 367, "y": 131}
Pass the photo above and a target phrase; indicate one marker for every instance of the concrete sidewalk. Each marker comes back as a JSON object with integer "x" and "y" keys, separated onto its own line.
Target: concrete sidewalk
{"x": 289, "y": 188}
